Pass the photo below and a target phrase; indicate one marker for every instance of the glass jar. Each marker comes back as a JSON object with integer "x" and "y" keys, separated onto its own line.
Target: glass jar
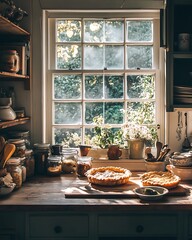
{"x": 23, "y": 168}
{"x": 83, "y": 165}
{"x": 41, "y": 153}
{"x": 25, "y": 135}
{"x": 54, "y": 165}
{"x": 20, "y": 147}
{"x": 29, "y": 163}
{"x": 13, "y": 166}
{"x": 69, "y": 163}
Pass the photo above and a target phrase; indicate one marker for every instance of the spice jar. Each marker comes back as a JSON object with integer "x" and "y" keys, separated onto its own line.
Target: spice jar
{"x": 20, "y": 147}
{"x": 29, "y": 163}
{"x": 83, "y": 165}
{"x": 54, "y": 165}
{"x": 13, "y": 166}
{"x": 41, "y": 153}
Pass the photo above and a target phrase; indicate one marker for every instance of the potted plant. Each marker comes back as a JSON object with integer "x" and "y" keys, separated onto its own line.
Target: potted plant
{"x": 104, "y": 136}
{"x": 137, "y": 137}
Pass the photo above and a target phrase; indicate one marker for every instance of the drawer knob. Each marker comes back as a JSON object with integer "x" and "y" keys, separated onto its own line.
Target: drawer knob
{"x": 58, "y": 229}
{"x": 139, "y": 229}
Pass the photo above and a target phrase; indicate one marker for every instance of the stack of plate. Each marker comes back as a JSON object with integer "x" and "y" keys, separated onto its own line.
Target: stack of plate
{"x": 183, "y": 94}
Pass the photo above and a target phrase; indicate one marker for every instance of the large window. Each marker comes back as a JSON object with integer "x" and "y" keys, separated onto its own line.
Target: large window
{"x": 100, "y": 66}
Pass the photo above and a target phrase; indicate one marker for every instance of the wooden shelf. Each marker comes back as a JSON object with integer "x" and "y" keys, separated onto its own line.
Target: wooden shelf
{"x": 18, "y": 121}
{"x": 9, "y": 28}
{"x": 11, "y": 76}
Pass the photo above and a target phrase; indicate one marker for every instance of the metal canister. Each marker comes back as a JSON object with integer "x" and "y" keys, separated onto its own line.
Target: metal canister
{"x": 41, "y": 154}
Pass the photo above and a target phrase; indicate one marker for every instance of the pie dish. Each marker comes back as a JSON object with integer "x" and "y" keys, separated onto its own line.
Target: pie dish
{"x": 108, "y": 176}
{"x": 159, "y": 178}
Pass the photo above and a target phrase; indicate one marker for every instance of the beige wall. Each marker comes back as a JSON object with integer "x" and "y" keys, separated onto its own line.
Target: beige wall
{"x": 171, "y": 126}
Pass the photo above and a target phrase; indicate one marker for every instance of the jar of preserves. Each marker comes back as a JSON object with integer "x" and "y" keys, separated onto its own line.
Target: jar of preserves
{"x": 20, "y": 147}
{"x": 54, "y": 165}
{"x": 13, "y": 166}
{"x": 41, "y": 154}
{"x": 83, "y": 165}
{"x": 29, "y": 163}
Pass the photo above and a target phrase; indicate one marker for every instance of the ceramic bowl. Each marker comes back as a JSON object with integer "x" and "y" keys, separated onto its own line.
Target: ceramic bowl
{"x": 182, "y": 160}
{"x": 141, "y": 193}
{"x": 185, "y": 173}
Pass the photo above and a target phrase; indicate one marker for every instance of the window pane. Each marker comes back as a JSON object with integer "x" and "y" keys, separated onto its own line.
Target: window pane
{"x": 139, "y": 31}
{"x": 139, "y": 57}
{"x": 92, "y": 110}
{"x": 140, "y": 86}
{"x": 68, "y": 57}
{"x": 67, "y": 113}
{"x": 141, "y": 112}
{"x": 114, "y": 31}
{"x": 93, "y": 86}
{"x": 114, "y": 57}
{"x": 68, "y": 30}
{"x": 114, "y": 86}
{"x": 93, "y": 31}
{"x": 93, "y": 58}
{"x": 113, "y": 113}
{"x": 68, "y": 137}
{"x": 67, "y": 86}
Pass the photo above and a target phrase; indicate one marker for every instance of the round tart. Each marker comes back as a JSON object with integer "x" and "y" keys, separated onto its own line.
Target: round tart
{"x": 162, "y": 179}
{"x": 108, "y": 176}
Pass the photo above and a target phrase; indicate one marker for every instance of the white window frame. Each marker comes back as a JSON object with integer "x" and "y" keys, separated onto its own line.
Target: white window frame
{"x": 48, "y": 66}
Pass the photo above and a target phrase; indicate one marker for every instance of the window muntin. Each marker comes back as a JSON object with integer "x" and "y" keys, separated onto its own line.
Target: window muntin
{"x": 94, "y": 88}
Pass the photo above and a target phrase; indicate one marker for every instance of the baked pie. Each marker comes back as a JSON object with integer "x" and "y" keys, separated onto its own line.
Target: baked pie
{"x": 108, "y": 176}
{"x": 158, "y": 178}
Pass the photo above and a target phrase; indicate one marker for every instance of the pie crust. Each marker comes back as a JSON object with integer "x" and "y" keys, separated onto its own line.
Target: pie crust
{"x": 108, "y": 176}
{"x": 158, "y": 178}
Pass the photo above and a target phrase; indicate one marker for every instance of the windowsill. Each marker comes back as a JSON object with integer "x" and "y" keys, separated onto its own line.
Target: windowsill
{"x": 137, "y": 165}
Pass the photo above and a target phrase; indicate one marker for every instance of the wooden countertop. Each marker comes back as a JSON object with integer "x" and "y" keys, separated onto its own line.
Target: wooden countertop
{"x": 49, "y": 194}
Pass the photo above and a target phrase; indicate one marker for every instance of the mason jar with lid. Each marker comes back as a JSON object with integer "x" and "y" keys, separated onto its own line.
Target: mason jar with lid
{"x": 54, "y": 165}
{"x": 41, "y": 153}
{"x": 69, "y": 163}
{"x": 13, "y": 166}
{"x": 29, "y": 163}
{"x": 20, "y": 147}
{"x": 25, "y": 135}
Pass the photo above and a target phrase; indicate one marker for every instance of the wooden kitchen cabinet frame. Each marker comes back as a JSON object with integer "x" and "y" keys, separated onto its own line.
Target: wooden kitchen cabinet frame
{"x": 13, "y": 34}
{"x": 178, "y": 63}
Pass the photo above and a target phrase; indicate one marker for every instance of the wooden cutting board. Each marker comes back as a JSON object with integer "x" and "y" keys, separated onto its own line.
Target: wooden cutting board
{"x": 85, "y": 190}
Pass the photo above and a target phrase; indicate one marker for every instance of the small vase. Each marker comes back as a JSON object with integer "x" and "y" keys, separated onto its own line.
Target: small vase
{"x": 136, "y": 148}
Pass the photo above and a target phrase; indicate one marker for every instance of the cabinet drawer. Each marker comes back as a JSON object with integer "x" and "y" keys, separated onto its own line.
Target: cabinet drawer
{"x": 137, "y": 225}
{"x": 50, "y": 226}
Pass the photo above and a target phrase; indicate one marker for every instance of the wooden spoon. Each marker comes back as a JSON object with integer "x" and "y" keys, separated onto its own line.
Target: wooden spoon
{"x": 159, "y": 147}
{"x": 9, "y": 149}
